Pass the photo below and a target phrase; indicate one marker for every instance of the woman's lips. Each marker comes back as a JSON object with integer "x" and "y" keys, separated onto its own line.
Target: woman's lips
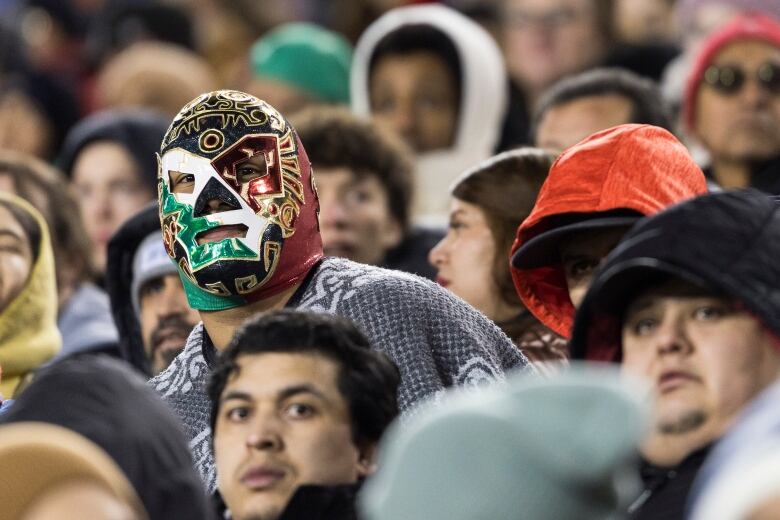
{"x": 442, "y": 281}
{"x": 222, "y": 232}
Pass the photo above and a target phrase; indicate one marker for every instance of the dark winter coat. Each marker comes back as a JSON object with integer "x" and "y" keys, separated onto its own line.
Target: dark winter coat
{"x": 119, "y": 279}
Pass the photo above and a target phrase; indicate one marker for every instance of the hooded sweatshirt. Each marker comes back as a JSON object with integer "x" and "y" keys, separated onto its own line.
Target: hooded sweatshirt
{"x": 483, "y": 102}
{"x": 119, "y": 281}
{"x": 28, "y": 325}
{"x": 139, "y": 133}
{"x": 103, "y": 400}
{"x": 642, "y": 168}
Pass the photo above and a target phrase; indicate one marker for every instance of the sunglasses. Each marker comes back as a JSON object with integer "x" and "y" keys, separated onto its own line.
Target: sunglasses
{"x": 728, "y": 79}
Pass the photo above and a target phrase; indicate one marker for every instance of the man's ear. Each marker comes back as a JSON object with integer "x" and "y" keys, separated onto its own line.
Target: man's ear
{"x": 366, "y": 463}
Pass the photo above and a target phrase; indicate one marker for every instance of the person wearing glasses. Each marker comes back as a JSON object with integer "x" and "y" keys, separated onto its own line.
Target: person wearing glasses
{"x": 732, "y": 103}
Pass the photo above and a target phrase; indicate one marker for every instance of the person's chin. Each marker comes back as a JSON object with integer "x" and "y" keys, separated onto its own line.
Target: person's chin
{"x": 260, "y": 508}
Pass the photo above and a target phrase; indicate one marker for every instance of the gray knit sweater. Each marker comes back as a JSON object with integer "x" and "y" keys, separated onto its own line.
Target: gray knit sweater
{"x": 436, "y": 340}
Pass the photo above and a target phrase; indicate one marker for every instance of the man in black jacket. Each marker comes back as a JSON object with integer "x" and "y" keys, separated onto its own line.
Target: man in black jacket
{"x": 299, "y": 402}
{"x": 689, "y": 301}
{"x": 148, "y": 302}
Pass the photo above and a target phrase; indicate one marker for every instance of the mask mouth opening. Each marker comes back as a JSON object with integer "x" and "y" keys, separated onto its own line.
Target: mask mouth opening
{"x": 221, "y": 233}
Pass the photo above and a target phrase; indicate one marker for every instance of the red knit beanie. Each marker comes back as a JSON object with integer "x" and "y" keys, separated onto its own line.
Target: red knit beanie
{"x": 748, "y": 26}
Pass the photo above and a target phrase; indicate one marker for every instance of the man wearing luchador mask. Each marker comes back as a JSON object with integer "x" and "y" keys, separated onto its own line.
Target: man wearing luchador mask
{"x": 239, "y": 213}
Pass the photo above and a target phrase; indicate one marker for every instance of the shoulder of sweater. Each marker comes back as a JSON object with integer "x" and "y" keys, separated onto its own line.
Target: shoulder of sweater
{"x": 410, "y": 291}
{"x": 364, "y": 277}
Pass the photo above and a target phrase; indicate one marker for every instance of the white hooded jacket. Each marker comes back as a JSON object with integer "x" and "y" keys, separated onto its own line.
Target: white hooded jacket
{"x": 483, "y": 101}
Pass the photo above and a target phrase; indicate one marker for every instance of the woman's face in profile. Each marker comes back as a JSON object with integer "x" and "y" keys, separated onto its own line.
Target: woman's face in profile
{"x": 15, "y": 257}
{"x": 464, "y": 258}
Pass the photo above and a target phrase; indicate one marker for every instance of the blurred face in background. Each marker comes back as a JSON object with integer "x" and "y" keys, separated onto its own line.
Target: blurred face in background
{"x": 109, "y": 191}
{"x": 416, "y": 95}
{"x": 166, "y": 320}
{"x": 24, "y": 127}
{"x": 355, "y": 217}
{"x": 569, "y": 123}
{"x": 739, "y": 120}
{"x": 545, "y": 40}
{"x": 465, "y": 257}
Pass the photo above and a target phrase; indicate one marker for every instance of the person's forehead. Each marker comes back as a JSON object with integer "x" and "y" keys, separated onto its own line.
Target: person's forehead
{"x": 671, "y": 288}
{"x": 544, "y": 6}
{"x": 267, "y": 373}
{"x": 334, "y": 175}
{"x": 419, "y": 67}
{"x": 582, "y": 116}
{"x": 744, "y": 50}
{"x": 595, "y": 105}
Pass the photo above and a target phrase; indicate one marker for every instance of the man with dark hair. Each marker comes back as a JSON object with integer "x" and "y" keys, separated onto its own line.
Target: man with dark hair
{"x": 298, "y": 399}
{"x": 364, "y": 183}
{"x": 581, "y": 105}
{"x": 688, "y": 301}
{"x": 239, "y": 214}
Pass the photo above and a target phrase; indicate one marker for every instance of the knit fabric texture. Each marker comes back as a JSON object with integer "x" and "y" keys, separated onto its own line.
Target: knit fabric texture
{"x": 436, "y": 339}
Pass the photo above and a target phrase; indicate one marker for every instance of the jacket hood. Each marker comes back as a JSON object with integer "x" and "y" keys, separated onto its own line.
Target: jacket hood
{"x": 119, "y": 281}
{"x": 483, "y": 103}
{"x": 28, "y": 325}
{"x": 640, "y": 168}
{"x": 728, "y": 242}
{"x": 139, "y": 132}
{"x": 103, "y": 400}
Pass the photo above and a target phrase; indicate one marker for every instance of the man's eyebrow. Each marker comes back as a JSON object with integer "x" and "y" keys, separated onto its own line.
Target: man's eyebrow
{"x": 235, "y": 394}
{"x": 301, "y": 389}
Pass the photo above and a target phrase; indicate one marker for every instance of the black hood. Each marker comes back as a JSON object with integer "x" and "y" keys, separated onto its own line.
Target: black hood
{"x": 119, "y": 279}
{"x": 139, "y": 132}
{"x": 728, "y": 242}
{"x": 106, "y": 402}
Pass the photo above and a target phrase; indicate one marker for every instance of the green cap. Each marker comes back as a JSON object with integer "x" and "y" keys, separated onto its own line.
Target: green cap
{"x": 305, "y": 56}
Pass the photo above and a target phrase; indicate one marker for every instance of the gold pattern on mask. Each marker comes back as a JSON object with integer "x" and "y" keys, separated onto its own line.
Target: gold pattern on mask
{"x": 211, "y": 140}
{"x": 231, "y": 108}
{"x": 217, "y": 288}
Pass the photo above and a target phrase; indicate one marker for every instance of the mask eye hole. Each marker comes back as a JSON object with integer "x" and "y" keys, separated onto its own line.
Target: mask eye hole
{"x": 181, "y": 182}
{"x": 251, "y": 169}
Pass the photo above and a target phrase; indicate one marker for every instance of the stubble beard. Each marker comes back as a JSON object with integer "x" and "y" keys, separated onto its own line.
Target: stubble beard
{"x": 683, "y": 424}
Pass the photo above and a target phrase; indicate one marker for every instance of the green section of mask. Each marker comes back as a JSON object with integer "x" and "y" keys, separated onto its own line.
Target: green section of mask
{"x": 201, "y": 255}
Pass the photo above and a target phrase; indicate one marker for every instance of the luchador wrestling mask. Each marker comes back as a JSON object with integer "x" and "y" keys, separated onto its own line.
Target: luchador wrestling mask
{"x": 237, "y": 204}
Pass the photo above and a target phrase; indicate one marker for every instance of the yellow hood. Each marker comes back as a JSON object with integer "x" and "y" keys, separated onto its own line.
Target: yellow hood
{"x": 28, "y": 326}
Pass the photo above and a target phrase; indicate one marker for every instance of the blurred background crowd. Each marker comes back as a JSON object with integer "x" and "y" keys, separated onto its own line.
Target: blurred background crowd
{"x": 431, "y": 127}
